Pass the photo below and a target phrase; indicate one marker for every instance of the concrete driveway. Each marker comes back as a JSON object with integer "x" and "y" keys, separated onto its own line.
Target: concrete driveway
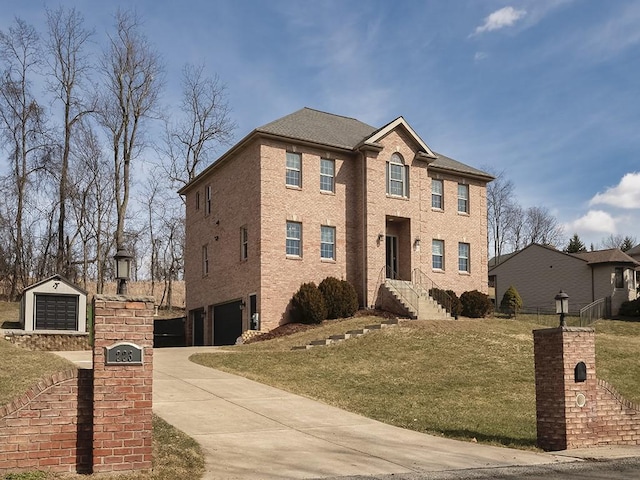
{"x": 249, "y": 430}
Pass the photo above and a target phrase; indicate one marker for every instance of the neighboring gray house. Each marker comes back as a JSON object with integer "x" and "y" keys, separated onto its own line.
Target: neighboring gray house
{"x": 539, "y": 272}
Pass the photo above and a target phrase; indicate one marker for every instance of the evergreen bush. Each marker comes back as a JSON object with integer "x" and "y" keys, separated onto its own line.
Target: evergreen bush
{"x": 308, "y": 304}
{"x": 456, "y": 304}
{"x": 475, "y": 304}
{"x": 340, "y": 297}
{"x": 630, "y": 308}
{"x": 511, "y": 301}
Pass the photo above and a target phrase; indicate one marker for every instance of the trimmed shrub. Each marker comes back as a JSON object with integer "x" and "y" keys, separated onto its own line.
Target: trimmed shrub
{"x": 308, "y": 304}
{"x": 511, "y": 301}
{"x": 340, "y": 297}
{"x": 447, "y": 299}
{"x": 456, "y": 304}
{"x": 475, "y": 304}
{"x": 630, "y": 308}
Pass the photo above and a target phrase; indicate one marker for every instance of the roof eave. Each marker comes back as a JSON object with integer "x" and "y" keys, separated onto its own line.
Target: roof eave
{"x": 477, "y": 176}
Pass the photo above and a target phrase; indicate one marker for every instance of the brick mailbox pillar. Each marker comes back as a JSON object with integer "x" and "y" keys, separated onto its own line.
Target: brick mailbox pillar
{"x": 122, "y": 383}
{"x": 566, "y": 387}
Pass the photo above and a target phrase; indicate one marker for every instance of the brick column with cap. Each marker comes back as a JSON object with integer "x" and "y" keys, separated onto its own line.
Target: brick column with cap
{"x": 122, "y": 430}
{"x": 566, "y": 387}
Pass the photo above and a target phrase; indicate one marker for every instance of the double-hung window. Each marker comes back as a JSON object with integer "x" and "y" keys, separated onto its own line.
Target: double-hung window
{"x": 437, "y": 254}
{"x": 244, "y": 243}
{"x": 294, "y": 239}
{"x": 463, "y": 198}
{"x": 198, "y": 200}
{"x": 436, "y": 194}
{"x": 327, "y": 174}
{"x": 205, "y": 261}
{"x": 397, "y": 177}
{"x": 327, "y": 243}
{"x": 207, "y": 200}
{"x": 463, "y": 257}
{"x": 294, "y": 170}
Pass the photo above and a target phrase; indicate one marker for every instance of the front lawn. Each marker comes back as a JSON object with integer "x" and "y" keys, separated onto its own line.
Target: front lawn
{"x": 463, "y": 379}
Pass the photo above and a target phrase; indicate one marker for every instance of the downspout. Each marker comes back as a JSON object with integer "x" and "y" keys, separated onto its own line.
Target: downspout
{"x": 365, "y": 287}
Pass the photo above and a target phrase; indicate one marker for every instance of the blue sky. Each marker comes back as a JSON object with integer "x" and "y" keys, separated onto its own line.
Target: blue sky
{"x": 546, "y": 91}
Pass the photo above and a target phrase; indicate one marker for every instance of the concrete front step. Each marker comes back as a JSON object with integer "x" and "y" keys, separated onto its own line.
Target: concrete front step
{"x": 350, "y": 334}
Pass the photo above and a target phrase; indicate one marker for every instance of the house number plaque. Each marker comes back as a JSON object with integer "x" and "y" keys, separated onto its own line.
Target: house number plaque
{"x": 123, "y": 354}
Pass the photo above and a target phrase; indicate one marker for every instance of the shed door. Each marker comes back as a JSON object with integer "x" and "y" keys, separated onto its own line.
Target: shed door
{"x": 56, "y": 312}
{"x": 227, "y": 323}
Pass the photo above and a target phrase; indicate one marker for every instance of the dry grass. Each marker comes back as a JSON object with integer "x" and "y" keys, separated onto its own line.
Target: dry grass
{"x": 462, "y": 379}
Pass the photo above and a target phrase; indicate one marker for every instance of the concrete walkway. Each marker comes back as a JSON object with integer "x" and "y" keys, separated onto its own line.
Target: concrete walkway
{"x": 248, "y": 430}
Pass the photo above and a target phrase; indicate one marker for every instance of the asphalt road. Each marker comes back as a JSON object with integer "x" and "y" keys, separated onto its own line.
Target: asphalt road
{"x": 623, "y": 469}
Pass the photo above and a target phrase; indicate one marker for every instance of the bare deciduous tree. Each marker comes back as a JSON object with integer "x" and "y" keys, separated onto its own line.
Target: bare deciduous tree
{"x": 500, "y": 204}
{"x": 204, "y": 125}
{"x": 133, "y": 78}
{"x": 69, "y": 65}
{"x": 542, "y": 227}
{"x": 21, "y": 122}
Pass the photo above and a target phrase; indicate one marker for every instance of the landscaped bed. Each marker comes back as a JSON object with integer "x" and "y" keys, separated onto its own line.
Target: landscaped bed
{"x": 467, "y": 379}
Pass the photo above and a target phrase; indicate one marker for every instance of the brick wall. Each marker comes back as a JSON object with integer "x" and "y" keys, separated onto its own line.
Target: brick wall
{"x": 50, "y": 426}
{"x": 572, "y": 413}
{"x": 122, "y": 415}
{"x": 87, "y": 421}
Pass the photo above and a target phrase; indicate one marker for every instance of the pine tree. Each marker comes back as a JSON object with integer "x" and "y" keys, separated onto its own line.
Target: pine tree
{"x": 511, "y": 301}
{"x": 575, "y": 245}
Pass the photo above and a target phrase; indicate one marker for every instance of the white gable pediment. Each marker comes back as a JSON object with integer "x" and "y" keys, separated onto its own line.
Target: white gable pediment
{"x": 400, "y": 122}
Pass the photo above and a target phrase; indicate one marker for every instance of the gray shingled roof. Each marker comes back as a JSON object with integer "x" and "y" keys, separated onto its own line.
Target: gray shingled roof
{"x": 634, "y": 251}
{"x": 447, "y": 163}
{"x": 343, "y": 132}
{"x": 612, "y": 255}
{"x": 320, "y": 127}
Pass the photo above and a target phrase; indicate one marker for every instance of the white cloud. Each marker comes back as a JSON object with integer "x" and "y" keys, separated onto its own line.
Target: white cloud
{"x": 479, "y": 56}
{"x": 594, "y": 221}
{"x": 505, "y": 17}
{"x": 624, "y": 195}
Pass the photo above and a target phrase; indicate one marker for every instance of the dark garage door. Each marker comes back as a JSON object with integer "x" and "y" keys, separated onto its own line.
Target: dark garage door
{"x": 56, "y": 312}
{"x": 227, "y": 323}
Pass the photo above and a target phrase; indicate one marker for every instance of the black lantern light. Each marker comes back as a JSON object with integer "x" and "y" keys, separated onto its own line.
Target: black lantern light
{"x": 123, "y": 269}
{"x": 562, "y": 306}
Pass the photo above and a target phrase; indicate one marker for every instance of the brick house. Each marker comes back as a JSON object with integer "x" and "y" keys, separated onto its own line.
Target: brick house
{"x": 313, "y": 195}
{"x": 539, "y": 272}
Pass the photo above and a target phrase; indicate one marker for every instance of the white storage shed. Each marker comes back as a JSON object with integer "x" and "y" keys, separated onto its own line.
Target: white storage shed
{"x": 54, "y": 304}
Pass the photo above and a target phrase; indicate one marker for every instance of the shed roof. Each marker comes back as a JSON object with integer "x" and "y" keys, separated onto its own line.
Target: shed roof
{"x": 59, "y": 278}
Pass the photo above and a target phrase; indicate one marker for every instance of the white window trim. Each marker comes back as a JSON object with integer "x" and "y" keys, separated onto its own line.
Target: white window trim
{"x": 465, "y": 198}
{"x": 332, "y": 176}
{"x": 468, "y": 257}
{"x": 435, "y": 181}
{"x": 333, "y": 243}
{"x": 397, "y": 160}
{"x": 293, "y": 169}
{"x": 297, "y": 239}
{"x": 244, "y": 243}
{"x": 442, "y": 255}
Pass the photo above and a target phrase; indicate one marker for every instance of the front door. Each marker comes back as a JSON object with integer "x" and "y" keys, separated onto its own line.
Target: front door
{"x": 392, "y": 256}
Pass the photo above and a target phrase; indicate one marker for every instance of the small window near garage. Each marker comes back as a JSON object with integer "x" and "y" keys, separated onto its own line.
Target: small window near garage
{"x": 205, "y": 260}
{"x": 244, "y": 243}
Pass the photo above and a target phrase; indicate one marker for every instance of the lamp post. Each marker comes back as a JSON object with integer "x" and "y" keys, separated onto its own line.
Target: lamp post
{"x": 562, "y": 306}
{"x": 123, "y": 270}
